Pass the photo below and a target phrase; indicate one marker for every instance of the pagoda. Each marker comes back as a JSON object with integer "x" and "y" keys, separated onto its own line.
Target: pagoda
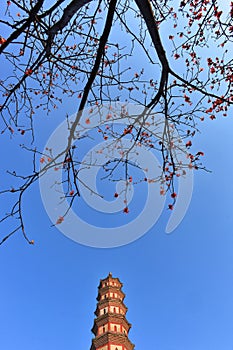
{"x": 111, "y": 327}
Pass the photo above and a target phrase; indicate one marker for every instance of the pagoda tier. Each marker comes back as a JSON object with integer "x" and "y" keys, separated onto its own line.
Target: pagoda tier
{"x": 111, "y": 327}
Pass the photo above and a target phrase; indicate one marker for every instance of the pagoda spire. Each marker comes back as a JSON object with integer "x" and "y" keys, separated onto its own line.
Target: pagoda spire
{"x": 111, "y": 327}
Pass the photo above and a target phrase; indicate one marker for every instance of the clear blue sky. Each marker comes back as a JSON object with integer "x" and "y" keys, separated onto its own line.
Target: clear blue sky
{"x": 178, "y": 287}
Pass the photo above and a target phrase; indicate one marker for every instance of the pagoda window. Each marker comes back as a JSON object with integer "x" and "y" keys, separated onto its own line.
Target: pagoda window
{"x": 115, "y": 328}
